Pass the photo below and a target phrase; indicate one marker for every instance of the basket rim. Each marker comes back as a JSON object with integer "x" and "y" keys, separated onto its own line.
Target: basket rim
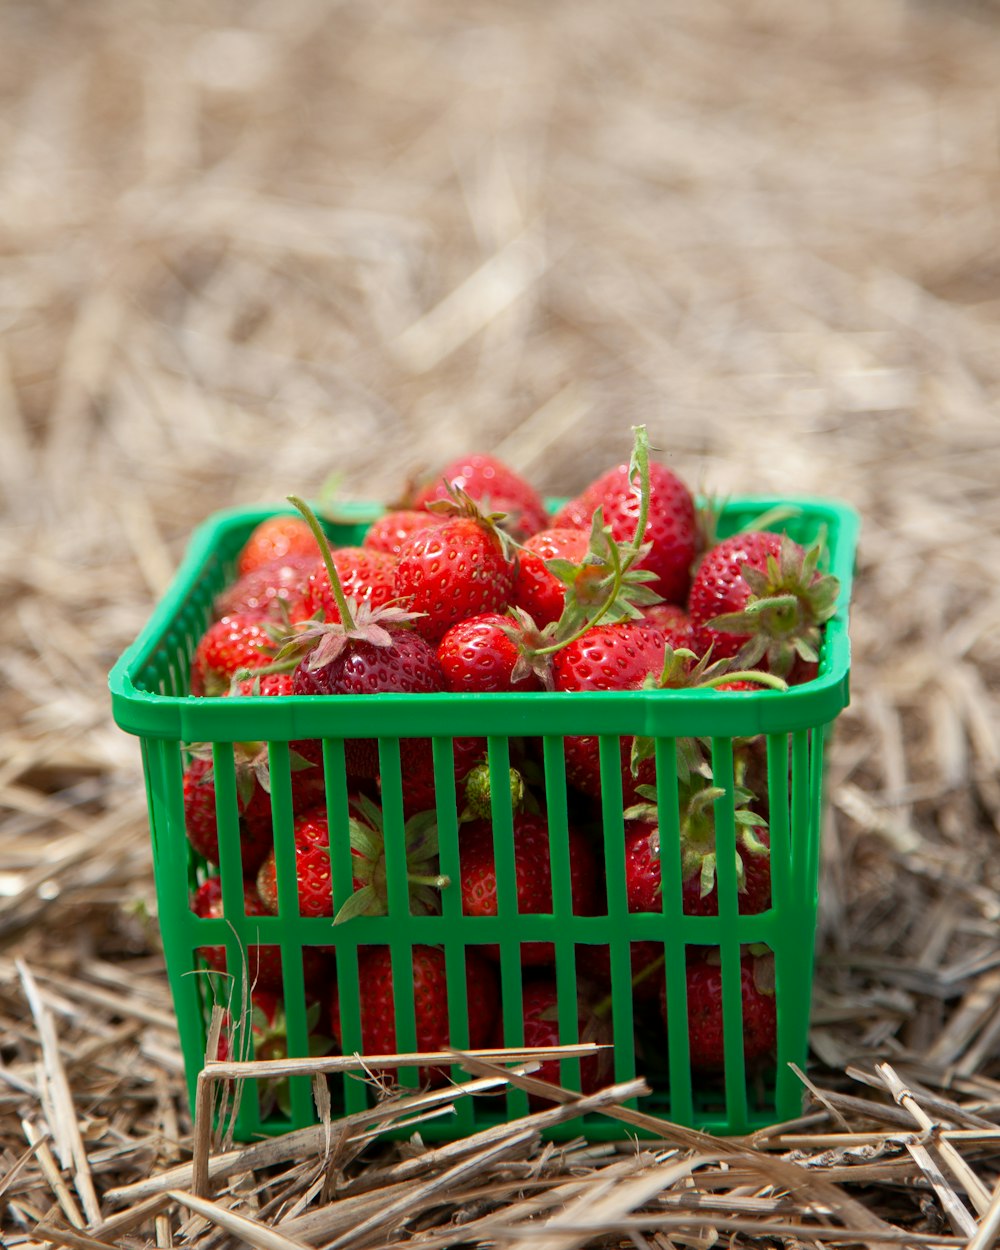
{"x": 655, "y": 712}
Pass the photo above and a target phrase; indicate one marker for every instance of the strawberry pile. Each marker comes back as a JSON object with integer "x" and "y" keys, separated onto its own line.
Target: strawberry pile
{"x": 474, "y": 588}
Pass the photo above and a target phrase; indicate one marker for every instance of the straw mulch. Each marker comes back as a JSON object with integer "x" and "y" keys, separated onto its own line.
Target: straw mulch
{"x": 253, "y": 249}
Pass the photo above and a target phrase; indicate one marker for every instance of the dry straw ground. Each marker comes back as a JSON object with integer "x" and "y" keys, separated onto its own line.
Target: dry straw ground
{"x": 246, "y": 247}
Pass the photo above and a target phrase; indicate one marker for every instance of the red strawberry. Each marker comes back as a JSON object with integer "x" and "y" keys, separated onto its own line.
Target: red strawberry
{"x": 364, "y": 575}
{"x": 407, "y": 665}
{"x": 451, "y": 571}
{"x": 243, "y": 640}
{"x": 478, "y": 655}
{"x": 607, "y": 657}
{"x": 533, "y": 872}
{"x": 201, "y": 824}
{"x": 537, "y": 590}
{"x": 367, "y": 840}
{"x": 495, "y": 487}
{"x": 263, "y": 962}
{"x": 698, "y": 853}
{"x": 393, "y": 529}
{"x": 759, "y": 594}
{"x": 312, "y": 868}
{"x": 268, "y": 587}
{"x": 673, "y": 623}
{"x": 368, "y": 650}
{"x": 430, "y": 999}
{"x": 705, "y": 1018}
{"x": 276, "y": 538}
{"x": 257, "y": 684}
{"x": 671, "y": 525}
{"x": 540, "y": 1006}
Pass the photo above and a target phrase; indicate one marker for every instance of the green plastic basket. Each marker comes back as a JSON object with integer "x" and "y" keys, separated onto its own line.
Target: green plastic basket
{"x": 149, "y": 694}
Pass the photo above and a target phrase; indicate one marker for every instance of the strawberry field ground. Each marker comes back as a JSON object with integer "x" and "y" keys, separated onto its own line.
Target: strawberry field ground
{"x": 255, "y": 249}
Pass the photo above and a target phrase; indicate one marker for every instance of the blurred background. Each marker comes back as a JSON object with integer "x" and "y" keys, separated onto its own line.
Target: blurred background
{"x": 249, "y": 249}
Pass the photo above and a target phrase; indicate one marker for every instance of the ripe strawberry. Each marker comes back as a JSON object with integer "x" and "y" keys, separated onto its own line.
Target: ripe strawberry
{"x": 268, "y": 588}
{"x": 263, "y": 962}
{"x": 393, "y": 529}
{"x": 364, "y": 576}
{"x": 540, "y": 1007}
{"x": 673, "y": 623}
{"x": 240, "y": 641}
{"x": 453, "y": 570}
{"x": 671, "y": 525}
{"x": 201, "y": 824}
{"x": 276, "y": 538}
{"x": 759, "y": 595}
{"x": 698, "y": 853}
{"x": 478, "y": 655}
{"x": 404, "y": 664}
{"x": 704, "y": 1004}
{"x": 607, "y": 657}
{"x": 536, "y": 589}
{"x": 369, "y": 896}
{"x": 495, "y": 487}
{"x": 533, "y": 872}
{"x": 430, "y": 1000}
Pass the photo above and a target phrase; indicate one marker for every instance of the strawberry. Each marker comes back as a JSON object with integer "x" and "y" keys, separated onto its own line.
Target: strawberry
{"x": 276, "y": 538}
{"x": 698, "y": 852}
{"x": 607, "y": 657}
{"x": 453, "y": 570}
{"x": 367, "y": 650}
{"x": 430, "y": 1000}
{"x": 253, "y": 784}
{"x": 671, "y": 527}
{"x": 268, "y": 588}
{"x": 392, "y": 529}
{"x": 201, "y": 824}
{"x": 533, "y": 872}
{"x": 538, "y": 590}
{"x": 540, "y": 1008}
{"x": 673, "y": 623}
{"x": 263, "y": 962}
{"x": 365, "y": 576}
{"x": 759, "y": 595}
{"x": 313, "y": 868}
{"x": 495, "y": 487}
{"x": 402, "y": 664}
{"x": 479, "y": 654}
{"x": 704, "y": 1006}
{"x": 240, "y": 641}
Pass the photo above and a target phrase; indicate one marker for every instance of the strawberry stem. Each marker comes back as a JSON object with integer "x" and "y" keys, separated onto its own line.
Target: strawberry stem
{"x": 346, "y": 617}
{"x": 745, "y": 674}
{"x": 603, "y": 1006}
{"x": 639, "y": 463}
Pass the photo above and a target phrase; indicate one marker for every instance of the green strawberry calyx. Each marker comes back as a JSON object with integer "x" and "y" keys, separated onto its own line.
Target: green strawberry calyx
{"x": 683, "y": 670}
{"x": 459, "y": 503}
{"x": 367, "y": 839}
{"x": 789, "y": 602}
{"x": 696, "y": 802}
